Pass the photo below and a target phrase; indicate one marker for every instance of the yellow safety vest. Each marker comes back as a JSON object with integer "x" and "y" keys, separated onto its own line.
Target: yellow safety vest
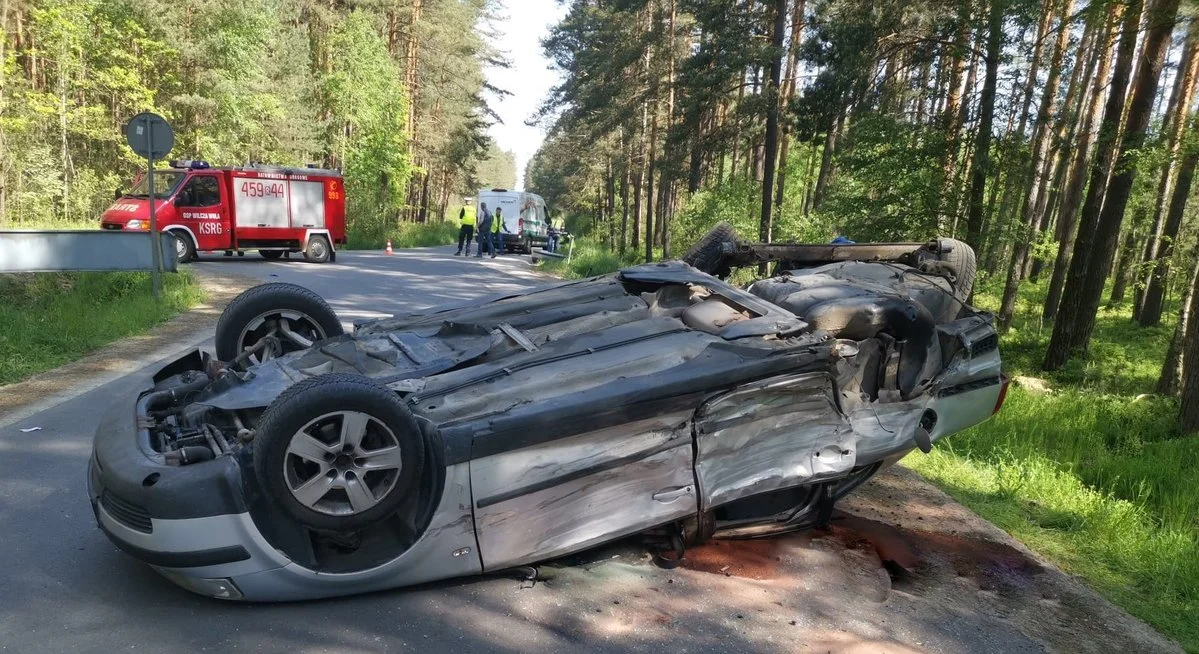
{"x": 468, "y": 215}
{"x": 497, "y": 223}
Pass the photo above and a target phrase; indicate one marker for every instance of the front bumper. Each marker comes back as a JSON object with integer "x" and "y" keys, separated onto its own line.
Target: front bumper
{"x": 192, "y": 523}
{"x": 185, "y": 521}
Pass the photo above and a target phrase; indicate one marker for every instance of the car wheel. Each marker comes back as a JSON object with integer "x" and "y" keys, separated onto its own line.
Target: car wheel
{"x": 318, "y": 250}
{"x": 292, "y": 315}
{"x": 270, "y": 255}
{"x": 962, "y": 262}
{"x": 711, "y": 251}
{"x": 185, "y": 249}
{"x": 338, "y": 452}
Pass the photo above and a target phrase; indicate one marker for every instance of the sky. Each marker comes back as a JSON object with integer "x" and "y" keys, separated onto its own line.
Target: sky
{"x": 522, "y": 25}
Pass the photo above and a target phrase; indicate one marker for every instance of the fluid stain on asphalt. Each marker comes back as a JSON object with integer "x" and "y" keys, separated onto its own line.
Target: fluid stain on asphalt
{"x": 906, "y": 555}
{"x": 753, "y": 559}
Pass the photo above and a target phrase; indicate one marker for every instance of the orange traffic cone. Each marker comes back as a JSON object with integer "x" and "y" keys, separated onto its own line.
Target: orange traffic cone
{"x": 388, "y": 250}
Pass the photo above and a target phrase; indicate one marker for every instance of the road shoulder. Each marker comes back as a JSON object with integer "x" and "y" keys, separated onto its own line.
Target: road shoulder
{"x": 45, "y": 390}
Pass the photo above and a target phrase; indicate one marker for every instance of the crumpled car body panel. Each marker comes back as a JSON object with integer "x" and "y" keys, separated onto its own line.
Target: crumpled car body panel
{"x": 659, "y": 397}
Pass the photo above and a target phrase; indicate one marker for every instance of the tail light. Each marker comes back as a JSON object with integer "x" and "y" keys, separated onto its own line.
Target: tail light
{"x": 520, "y": 226}
{"x": 1003, "y": 385}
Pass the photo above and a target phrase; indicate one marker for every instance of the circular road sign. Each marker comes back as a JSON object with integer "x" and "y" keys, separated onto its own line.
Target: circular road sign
{"x": 150, "y": 135}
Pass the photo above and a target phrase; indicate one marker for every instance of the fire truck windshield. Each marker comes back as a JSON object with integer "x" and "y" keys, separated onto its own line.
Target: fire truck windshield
{"x": 165, "y": 182}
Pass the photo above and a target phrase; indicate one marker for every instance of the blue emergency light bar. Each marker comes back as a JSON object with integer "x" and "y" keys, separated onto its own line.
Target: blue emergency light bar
{"x": 194, "y": 164}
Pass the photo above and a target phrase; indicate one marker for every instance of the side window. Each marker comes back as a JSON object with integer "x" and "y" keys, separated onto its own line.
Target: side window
{"x": 201, "y": 191}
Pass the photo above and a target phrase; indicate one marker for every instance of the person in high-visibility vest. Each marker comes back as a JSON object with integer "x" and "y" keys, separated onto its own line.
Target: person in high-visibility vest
{"x": 466, "y": 218}
{"x": 494, "y": 237}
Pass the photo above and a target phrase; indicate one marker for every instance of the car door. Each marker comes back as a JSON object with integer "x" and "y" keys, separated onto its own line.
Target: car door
{"x": 200, "y": 207}
{"x": 769, "y": 435}
{"x": 566, "y": 495}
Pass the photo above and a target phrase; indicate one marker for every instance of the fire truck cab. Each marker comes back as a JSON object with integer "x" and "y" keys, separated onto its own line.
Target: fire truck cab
{"x": 273, "y": 210}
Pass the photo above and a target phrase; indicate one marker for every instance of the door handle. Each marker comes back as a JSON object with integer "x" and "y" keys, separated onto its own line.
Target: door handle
{"x": 668, "y": 495}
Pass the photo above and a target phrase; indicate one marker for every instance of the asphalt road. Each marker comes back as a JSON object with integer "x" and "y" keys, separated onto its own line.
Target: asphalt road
{"x": 65, "y": 588}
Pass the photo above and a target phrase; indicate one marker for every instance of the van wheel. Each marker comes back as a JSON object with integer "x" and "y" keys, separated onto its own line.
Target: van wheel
{"x": 185, "y": 249}
{"x": 292, "y": 315}
{"x": 339, "y": 452}
{"x": 270, "y": 254}
{"x": 318, "y": 250}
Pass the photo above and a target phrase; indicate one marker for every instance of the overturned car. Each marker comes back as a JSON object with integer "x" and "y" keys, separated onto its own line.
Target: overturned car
{"x": 300, "y": 462}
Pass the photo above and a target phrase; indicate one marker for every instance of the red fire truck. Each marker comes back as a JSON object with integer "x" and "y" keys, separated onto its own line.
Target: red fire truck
{"x": 273, "y": 210}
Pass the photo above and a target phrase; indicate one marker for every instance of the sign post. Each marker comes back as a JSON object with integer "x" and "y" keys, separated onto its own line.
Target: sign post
{"x": 151, "y": 136}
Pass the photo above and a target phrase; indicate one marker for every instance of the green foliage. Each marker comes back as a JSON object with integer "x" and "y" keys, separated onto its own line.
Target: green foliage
{"x": 369, "y": 107}
{"x": 286, "y": 82}
{"x": 498, "y": 169}
{"x": 588, "y": 258}
{"x": 1093, "y": 474}
{"x": 47, "y": 320}
{"x": 888, "y": 181}
{"x": 408, "y": 235}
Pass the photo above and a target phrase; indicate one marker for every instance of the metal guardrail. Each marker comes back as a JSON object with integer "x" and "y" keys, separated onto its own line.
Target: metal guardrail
{"x": 90, "y": 250}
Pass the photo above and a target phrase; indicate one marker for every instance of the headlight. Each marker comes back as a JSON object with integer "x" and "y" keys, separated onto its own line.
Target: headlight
{"x": 137, "y": 224}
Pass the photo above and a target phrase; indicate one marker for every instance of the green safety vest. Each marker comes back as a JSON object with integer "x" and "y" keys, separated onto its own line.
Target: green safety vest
{"x": 468, "y": 215}
{"x": 497, "y": 223}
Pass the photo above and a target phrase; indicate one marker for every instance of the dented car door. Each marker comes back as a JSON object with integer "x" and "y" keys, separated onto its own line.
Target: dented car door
{"x": 565, "y": 495}
{"x": 769, "y": 435}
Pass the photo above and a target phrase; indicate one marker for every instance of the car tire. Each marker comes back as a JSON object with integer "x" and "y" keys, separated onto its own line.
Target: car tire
{"x": 318, "y": 250}
{"x": 959, "y": 257}
{"x": 185, "y": 248}
{"x": 710, "y": 252}
{"x": 270, "y": 255}
{"x": 338, "y": 452}
{"x": 248, "y": 317}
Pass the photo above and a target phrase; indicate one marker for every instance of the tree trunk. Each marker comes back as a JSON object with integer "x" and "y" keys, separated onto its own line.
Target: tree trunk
{"x": 1068, "y": 220}
{"x": 1084, "y": 286}
{"x": 1065, "y": 129}
{"x": 1123, "y": 269}
{"x": 1174, "y": 367}
{"x": 1034, "y": 202}
{"x": 1175, "y": 121}
{"x": 826, "y": 159}
{"x": 952, "y": 117}
{"x": 772, "y": 118}
{"x": 1151, "y": 310}
{"x": 1013, "y": 182}
{"x": 797, "y": 12}
{"x": 980, "y": 167}
{"x": 649, "y": 191}
{"x": 1189, "y": 411}
{"x": 625, "y": 174}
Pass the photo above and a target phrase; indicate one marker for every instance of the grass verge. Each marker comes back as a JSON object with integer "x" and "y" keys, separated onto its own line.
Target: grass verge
{"x": 48, "y": 319}
{"x": 407, "y": 235}
{"x": 589, "y": 258}
{"x": 1092, "y": 475}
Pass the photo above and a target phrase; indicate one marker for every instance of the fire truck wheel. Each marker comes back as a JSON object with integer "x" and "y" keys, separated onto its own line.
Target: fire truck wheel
{"x": 185, "y": 250}
{"x": 318, "y": 250}
{"x": 271, "y": 254}
{"x": 273, "y": 319}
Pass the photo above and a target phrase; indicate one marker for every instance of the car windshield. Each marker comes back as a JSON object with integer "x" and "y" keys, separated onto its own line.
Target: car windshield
{"x": 165, "y": 182}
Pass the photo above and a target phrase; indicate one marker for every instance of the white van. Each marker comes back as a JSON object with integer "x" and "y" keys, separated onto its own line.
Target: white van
{"x": 524, "y": 215}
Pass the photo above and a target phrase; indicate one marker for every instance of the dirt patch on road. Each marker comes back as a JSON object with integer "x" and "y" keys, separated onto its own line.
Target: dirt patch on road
{"x": 113, "y": 360}
{"x": 901, "y": 568}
